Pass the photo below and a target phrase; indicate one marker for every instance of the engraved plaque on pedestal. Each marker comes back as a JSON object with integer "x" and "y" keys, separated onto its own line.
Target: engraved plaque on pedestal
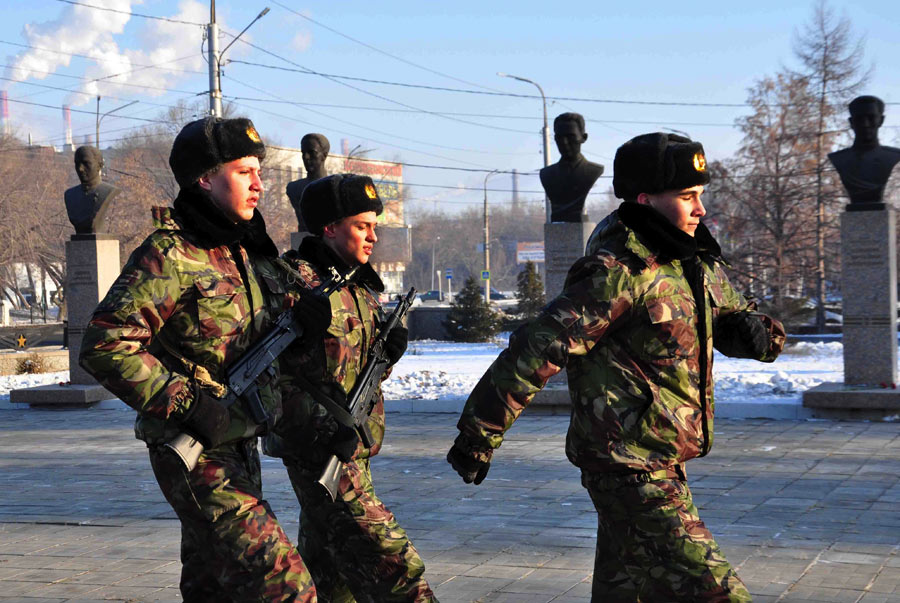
{"x": 869, "y": 286}
{"x": 564, "y": 244}
{"x": 92, "y": 264}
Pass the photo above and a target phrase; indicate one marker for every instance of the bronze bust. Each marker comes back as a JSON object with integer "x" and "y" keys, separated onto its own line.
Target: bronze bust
{"x": 865, "y": 167}
{"x": 568, "y": 181}
{"x": 87, "y": 203}
{"x": 314, "y": 150}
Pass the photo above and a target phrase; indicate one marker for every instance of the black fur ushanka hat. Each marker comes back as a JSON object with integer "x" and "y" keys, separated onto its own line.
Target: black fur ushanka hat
{"x": 657, "y": 162}
{"x": 207, "y": 143}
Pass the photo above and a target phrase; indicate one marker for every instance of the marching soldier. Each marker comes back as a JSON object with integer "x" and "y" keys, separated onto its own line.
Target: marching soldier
{"x": 635, "y": 327}
{"x": 198, "y": 292}
{"x": 354, "y": 547}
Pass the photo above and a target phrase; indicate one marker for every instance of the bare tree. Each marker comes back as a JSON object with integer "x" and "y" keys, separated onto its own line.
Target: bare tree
{"x": 831, "y": 58}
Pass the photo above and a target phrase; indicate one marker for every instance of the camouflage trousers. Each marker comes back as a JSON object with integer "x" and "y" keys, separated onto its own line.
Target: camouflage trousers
{"x": 354, "y": 546}
{"x": 232, "y": 547}
{"x": 652, "y": 545}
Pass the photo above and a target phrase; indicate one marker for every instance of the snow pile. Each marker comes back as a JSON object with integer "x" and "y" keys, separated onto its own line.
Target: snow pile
{"x": 11, "y": 382}
{"x": 432, "y": 370}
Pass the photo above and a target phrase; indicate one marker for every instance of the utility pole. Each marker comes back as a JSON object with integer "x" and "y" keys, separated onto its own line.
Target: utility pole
{"x": 215, "y": 57}
{"x": 212, "y": 46}
{"x": 487, "y": 242}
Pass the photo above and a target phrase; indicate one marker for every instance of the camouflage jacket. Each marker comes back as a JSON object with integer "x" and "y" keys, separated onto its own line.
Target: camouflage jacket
{"x": 633, "y": 328}
{"x": 180, "y": 312}
{"x": 333, "y": 363}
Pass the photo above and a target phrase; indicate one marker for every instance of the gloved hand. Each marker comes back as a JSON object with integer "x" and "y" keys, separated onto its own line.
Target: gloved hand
{"x": 397, "y": 341}
{"x": 207, "y": 421}
{"x": 343, "y": 443}
{"x": 313, "y": 312}
{"x": 471, "y": 464}
{"x": 750, "y": 328}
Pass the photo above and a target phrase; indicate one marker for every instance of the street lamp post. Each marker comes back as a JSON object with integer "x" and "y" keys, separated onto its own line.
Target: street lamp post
{"x": 215, "y": 57}
{"x": 436, "y": 239}
{"x": 545, "y": 132}
{"x": 100, "y": 117}
{"x": 487, "y": 239}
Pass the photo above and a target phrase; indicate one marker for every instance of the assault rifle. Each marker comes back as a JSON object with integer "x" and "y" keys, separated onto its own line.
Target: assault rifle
{"x": 361, "y": 399}
{"x": 243, "y": 377}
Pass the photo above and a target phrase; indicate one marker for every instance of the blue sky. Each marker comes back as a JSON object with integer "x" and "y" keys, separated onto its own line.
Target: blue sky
{"x": 640, "y": 51}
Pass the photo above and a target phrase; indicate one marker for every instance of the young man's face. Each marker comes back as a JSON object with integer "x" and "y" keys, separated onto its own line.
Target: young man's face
{"x": 353, "y": 238}
{"x": 235, "y": 188}
{"x": 683, "y": 208}
{"x": 569, "y": 138}
{"x": 865, "y": 121}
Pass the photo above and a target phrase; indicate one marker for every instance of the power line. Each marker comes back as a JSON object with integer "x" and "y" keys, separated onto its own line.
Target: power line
{"x": 430, "y": 144}
{"x": 293, "y": 119}
{"x": 157, "y": 121}
{"x": 132, "y": 14}
{"x": 378, "y": 50}
{"x": 485, "y": 115}
{"x": 373, "y": 94}
{"x": 93, "y": 58}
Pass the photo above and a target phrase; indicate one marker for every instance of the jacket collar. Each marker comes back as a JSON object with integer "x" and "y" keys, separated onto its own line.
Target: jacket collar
{"x": 653, "y": 236}
{"x": 195, "y": 211}
{"x": 314, "y": 250}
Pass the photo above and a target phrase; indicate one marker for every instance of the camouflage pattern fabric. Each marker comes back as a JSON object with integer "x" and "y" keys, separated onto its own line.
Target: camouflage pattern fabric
{"x": 653, "y": 546}
{"x": 176, "y": 311}
{"x": 626, "y": 329}
{"x": 335, "y": 362}
{"x": 176, "y": 299}
{"x": 232, "y": 547}
{"x": 354, "y": 547}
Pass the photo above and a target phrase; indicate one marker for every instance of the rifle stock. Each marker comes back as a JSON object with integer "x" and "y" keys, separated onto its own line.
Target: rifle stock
{"x": 361, "y": 400}
{"x": 242, "y": 377}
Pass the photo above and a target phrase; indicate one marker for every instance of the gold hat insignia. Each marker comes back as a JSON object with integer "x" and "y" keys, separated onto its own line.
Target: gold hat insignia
{"x": 699, "y": 162}
{"x": 370, "y": 192}
{"x": 253, "y": 135}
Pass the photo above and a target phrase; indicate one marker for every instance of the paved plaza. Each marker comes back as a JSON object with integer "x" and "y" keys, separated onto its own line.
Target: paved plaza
{"x": 806, "y": 510}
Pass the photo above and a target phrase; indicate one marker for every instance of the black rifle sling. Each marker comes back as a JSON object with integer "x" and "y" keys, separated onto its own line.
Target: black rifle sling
{"x": 340, "y": 413}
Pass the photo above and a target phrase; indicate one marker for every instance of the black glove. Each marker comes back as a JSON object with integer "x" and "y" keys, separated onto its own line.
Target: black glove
{"x": 750, "y": 328}
{"x": 313, "y": 312}
{"x": 207, "y": 420}
{"x": 335, "y": 437}
{"x": 470, "y": 464}
{"x": 396, "y": 343}
{"x": 343, "y": 443}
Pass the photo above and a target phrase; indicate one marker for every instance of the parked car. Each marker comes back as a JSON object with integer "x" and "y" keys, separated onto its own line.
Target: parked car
{"x": 497, "y": 295}
{"x": 431, "y": 296}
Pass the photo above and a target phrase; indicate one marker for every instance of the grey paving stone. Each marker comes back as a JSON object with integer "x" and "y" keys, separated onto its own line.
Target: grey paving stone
{"x": 817, "y": 518}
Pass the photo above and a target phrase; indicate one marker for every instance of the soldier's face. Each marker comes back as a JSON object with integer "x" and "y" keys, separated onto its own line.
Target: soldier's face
{"x": 683, "y": 208}
{"x": 865, "y": 122}
{"x": 353, "y": 238}
{"x": 569, "y": 138}
{"x": 235, "y": 188}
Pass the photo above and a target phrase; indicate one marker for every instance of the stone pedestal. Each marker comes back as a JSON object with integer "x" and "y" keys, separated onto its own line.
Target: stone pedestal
{"x": 564, "y": 243}
{"x": 869, "y": 291}
{"x": 92, "y": 264}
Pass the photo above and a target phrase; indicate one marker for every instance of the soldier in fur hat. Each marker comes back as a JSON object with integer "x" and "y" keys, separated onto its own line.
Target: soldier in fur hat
{"x": 353, "y": 546}
{"x": 635, "y": 328}
{"x": 195, "y": 295}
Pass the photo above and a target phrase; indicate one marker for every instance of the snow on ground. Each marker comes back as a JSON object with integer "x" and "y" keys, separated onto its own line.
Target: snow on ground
{"x": 432, "y": 370}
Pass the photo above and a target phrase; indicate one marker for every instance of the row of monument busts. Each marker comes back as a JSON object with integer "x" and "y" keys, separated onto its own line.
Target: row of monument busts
{"x": 864, "y": 169}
